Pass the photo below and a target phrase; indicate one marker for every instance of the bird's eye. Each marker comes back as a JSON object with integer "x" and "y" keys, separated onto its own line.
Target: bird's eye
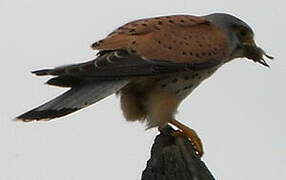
{"x": 242, "y": 32}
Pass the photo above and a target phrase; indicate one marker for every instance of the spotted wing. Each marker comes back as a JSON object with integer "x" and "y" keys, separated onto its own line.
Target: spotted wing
{"x": 180, "y": 39}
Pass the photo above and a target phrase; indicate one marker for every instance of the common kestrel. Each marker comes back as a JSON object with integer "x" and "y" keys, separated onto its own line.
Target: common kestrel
{"x": 153, "y": 64}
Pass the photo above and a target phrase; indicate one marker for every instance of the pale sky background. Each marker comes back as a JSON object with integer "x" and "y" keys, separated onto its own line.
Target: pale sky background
{"x": 239, "y": 112}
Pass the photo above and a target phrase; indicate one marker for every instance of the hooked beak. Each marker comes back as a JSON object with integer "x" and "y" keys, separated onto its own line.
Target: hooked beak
{"x": 255, "y": 53}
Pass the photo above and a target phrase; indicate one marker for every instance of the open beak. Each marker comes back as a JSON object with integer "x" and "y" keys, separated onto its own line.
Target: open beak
{"x": 255, "y": 53}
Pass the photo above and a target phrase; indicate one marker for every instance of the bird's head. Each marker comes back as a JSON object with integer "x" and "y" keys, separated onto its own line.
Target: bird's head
{"x": 241, "y": 38}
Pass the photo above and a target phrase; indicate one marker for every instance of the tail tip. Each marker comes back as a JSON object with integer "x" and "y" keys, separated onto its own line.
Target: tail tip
{"x": 19, "y": 119}
{"x": 42, "y": 72}
{"x": 43, "y": 115}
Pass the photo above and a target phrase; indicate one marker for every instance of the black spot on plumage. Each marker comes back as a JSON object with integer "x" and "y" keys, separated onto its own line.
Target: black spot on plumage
{"x": 163, "y": 85}
{"x": 132, "y": 30}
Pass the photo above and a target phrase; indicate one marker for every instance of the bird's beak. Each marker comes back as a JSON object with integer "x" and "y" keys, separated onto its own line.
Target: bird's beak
{"x": 255, "y": 53}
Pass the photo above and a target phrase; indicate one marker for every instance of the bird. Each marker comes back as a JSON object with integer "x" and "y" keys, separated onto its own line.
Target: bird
{"x": 152, "y": 64}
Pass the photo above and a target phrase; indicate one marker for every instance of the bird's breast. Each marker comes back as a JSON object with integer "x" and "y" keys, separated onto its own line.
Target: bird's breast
{"x": 182, "y": 84}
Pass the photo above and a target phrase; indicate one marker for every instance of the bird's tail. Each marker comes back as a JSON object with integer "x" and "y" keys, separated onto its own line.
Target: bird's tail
{"x": 74, "y": 99}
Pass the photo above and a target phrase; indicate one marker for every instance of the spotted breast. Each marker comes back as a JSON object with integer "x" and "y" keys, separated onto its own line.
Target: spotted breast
{"x": 184, "y": 83}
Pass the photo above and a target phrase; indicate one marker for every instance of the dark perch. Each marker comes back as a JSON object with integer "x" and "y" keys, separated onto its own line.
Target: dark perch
{"x": 173, "y": 158}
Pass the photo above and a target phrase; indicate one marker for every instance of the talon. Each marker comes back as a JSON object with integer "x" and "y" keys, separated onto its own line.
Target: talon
{"x": 190, "y": 134}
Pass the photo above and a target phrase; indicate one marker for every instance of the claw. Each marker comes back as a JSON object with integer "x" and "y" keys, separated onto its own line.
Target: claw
{"x": 190, "y": 134}
{"x": 193, "y": 138}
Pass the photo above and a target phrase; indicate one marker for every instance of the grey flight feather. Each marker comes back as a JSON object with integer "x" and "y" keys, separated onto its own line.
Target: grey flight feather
{"x": 74, "y": 99}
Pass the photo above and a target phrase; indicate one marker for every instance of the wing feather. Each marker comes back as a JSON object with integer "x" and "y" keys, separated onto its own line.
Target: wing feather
{"x": 118, "y": 64}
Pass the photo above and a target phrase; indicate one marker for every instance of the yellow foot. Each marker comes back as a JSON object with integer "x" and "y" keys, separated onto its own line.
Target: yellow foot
{"x": 191, "y": 134}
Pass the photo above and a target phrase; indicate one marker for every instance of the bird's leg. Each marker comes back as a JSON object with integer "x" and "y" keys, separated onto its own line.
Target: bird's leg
{"x": 190, "y": 133}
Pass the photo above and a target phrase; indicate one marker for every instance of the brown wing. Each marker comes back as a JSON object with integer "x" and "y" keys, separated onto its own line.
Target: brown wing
{"x": 180, "y": 39}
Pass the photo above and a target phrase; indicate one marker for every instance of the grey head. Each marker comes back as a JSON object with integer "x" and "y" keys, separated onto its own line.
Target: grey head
{"x": 240, "y": 36}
